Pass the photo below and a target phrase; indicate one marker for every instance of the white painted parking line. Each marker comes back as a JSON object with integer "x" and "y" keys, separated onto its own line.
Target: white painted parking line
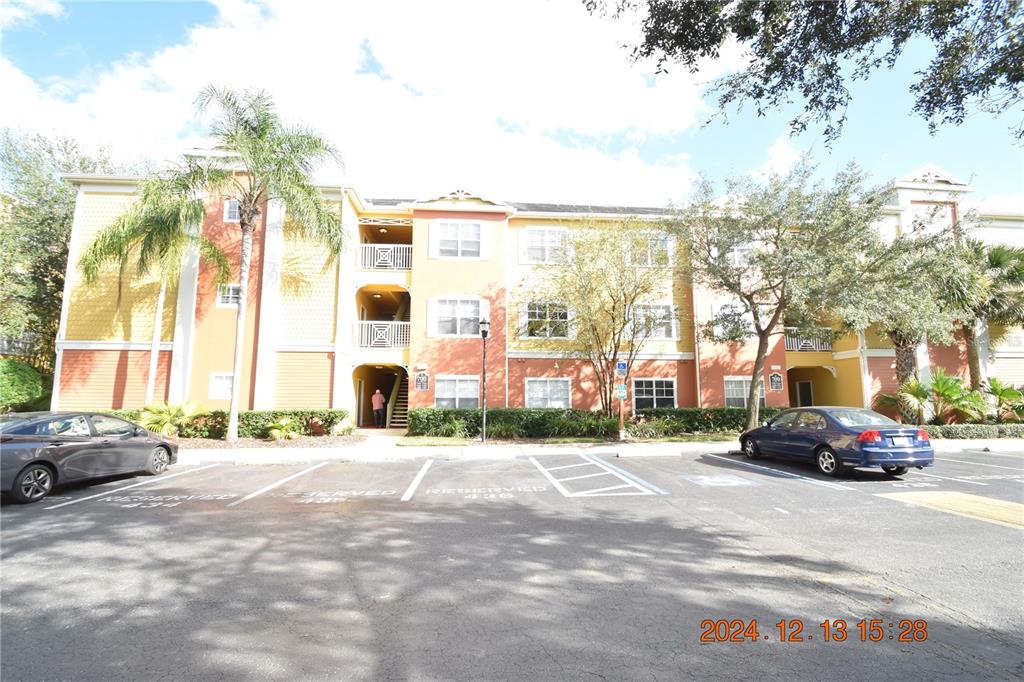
{"x": 416, "y": 481}
{"x": 784, "y": 474}
{"x": 570, "y": 466}
{"x": 949, "y": 478}
{"x": 780, "y": 510}
{"x": 576, "y": 478}
{"x": 979, "y": 464}
{"x": 277, "y": 483}
{"x": 601, "y": 490}
{"x": 152, "y": 481}
{"x": 554, "y": 481}
{"x": 625, "y": 475}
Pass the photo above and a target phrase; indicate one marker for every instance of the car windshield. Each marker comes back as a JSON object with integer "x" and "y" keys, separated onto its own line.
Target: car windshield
{"x": 861, "y": 418}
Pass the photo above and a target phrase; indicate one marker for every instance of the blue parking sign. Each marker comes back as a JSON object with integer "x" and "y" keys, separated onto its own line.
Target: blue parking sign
{"x": 620, "y": 368}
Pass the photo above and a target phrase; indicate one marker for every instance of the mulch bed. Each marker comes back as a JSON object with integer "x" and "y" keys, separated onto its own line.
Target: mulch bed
{"x": 300, "y": 442}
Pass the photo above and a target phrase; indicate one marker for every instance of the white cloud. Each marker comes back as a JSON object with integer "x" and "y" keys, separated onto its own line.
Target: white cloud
{"x": 478, "y": 96}
{"x": 782, "y": 156}
{"x": 14, "y": 12}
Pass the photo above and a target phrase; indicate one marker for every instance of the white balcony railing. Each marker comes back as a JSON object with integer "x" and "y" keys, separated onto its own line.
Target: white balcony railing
{"x": 809, "y": 342}
{"x": 385, "y": 256}
{"x": 380, "y": 334}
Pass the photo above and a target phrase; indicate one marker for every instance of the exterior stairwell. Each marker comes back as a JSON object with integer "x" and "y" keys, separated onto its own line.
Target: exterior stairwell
{"x": 400, "y": 411}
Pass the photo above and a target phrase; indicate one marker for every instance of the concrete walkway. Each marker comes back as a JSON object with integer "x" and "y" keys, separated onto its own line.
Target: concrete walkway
{"x": 383, "y": 447}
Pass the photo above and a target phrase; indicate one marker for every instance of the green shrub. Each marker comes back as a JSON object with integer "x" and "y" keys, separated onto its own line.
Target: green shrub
{"x": 961, "y": 431}
{"x": 285, "y": 428}
{"x": 257, "y": 424}
{"x": 1011, "y": 430}
{"x": 167, "y": 418}
{"x": 20, "y": 384}
{"x": 706, "y": 419}
{"x": 511, "y": 423}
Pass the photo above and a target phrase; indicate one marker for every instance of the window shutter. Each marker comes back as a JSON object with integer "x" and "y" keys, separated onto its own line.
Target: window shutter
{"x": 431, "y": 317}
{"x": 485, "y": 239}
{"x": 433, "y": 239}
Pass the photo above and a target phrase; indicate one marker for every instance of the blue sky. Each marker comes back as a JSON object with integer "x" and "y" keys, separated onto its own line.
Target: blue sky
{"x": 89, "y": 66}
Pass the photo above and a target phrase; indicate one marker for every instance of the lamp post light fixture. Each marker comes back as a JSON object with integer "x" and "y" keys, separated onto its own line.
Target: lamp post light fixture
{"x": 485, "y": 329}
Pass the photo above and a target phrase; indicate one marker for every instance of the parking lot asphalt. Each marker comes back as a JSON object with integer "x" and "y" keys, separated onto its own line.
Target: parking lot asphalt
{"x": 566, "y": 565}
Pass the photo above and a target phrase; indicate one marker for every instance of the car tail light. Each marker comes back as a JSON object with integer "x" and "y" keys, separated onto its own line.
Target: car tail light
{"x": 870, "y": 436}
{"x": 922, "y": 435}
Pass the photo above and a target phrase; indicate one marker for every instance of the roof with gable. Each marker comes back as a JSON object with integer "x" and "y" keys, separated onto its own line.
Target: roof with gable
{"x": 931, "y": 174}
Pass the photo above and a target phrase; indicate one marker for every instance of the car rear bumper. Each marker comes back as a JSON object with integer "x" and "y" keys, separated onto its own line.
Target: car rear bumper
{"x": 903, "y": 457}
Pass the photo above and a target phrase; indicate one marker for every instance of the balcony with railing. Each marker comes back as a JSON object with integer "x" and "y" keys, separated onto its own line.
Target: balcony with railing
{"x": 814, "y": 341}
{"x": 381, "y": 334}
{"x": 385, "y": 256}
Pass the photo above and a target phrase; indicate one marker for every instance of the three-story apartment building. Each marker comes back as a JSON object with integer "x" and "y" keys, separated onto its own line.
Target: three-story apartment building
{"x": 400, "y": 309}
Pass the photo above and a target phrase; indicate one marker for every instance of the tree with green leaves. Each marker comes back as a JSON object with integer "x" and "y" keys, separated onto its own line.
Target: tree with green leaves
{"x": 812, "y": 51}
{"x": 264, "y": 160}
{"x": 36, "y": 212}
{"x": 609, "y": 286}
{"x": 783, "y": 250}
{"x": 995, "y": 295}
{"x": 157, "y": 232}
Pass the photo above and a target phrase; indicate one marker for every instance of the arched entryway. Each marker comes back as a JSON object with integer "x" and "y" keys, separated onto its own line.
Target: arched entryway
{"x": 393, "y": 383}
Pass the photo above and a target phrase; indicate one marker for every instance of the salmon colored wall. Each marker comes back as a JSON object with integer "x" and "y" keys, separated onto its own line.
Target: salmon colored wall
{"x": 952, "y": 358}
{"x": 304, "y": 380}
{"x": 585, "y": 388}
{"x": 883, "y": 376}
{"x": 109, "y": 379}
{"x": 719, "y": 360}
{"x": 214, "y": 338}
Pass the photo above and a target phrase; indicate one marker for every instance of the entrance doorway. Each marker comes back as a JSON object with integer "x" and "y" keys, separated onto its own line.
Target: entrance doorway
{"x": 393, "y": 383}
{"x": 804, "y": 394}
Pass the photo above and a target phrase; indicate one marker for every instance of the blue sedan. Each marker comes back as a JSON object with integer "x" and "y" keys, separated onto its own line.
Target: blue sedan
{"x": 839, "y": 437}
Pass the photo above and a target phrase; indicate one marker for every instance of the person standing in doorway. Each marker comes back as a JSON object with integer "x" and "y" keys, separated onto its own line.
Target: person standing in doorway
{"x": 377, "y": 400}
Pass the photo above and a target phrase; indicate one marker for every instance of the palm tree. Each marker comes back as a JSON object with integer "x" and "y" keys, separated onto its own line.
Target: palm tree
{"x": 157, "y": 231}
{"x": 1006, "y": 398}
{"x": 949, "y": 398}
{"x": 995, "y": 296}
{"x": 911, "y": 399}
{"x": 265, "y": 160}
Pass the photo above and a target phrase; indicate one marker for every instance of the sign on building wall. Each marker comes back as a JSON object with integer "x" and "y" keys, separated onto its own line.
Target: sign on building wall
{"x": 774, "y": 381}
{"x": 421, "y": 381}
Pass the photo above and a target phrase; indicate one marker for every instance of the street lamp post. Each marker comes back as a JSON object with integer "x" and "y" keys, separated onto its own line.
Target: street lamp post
{"x": 485, "y": 328}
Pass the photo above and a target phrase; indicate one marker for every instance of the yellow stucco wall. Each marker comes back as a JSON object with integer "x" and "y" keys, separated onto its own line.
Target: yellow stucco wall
{"x": 843, "y": 389}
{"x": 94, "y": 313}
{"x": 309, "y": 291}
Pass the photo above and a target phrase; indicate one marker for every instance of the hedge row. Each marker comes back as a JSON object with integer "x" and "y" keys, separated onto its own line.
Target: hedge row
{"x": 251, "y": 424}
{"x": 511, "y": 423}
{"x": 961, "y": 431}
{"x": 699, "y": 419}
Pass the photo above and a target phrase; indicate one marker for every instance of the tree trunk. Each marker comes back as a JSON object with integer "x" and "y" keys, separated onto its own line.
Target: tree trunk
{"x": 906, "y": 368}
{"x": 973, "y": 357}
{"x": 243, "y": 297}
{"x": 154, "y": 348}
{"x": 754, "y": 396}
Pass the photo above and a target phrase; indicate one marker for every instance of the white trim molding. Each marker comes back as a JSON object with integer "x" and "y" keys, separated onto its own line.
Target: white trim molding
{"x": 564, "y": 355}
{"x": 306, "y": 348}
{"x": 112, "y": 345}
{"x": 865, "y": 352}
{"x": 270, "y": 308}
{"x": 184, "y": 326}
{"x": 76, "y": 224}
{"x": 528, "y": 380}
{"x": 675, "y": 391}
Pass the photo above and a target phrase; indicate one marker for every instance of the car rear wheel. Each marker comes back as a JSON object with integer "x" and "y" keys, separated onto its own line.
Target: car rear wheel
{"x": 33, "y": 483}
{"x": 750, "y": 449}
{"x": 159, "y": 460}
{"x": 828, "y": 462}
{"x": 894, "y": 470}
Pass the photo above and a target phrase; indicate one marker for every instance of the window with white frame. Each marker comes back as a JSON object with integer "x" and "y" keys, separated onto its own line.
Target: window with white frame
{"x": 652, "y": 249}
{"x": 546, "y": 320}
{"x": 739, "y": 255}
{"x": 656, "y": 321}
{"x": 548, "y": 393}
{"x": 545, "y": 244}
{"x": 231, "y": 212}
{"x": 458, "y": 316}
{"x": 1012, "y": 340}
{"x": 737, "y": 389}
{"x": 229, "y": 295}
{"x": 650, "y": 393}
{"x": 457, "y": 391}
{"x": 220, "y": 386}
{"x": 458, "y": 240}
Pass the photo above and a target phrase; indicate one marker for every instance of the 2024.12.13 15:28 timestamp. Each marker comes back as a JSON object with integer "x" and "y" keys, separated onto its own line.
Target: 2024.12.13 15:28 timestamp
{"x": 794, "y": 630}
